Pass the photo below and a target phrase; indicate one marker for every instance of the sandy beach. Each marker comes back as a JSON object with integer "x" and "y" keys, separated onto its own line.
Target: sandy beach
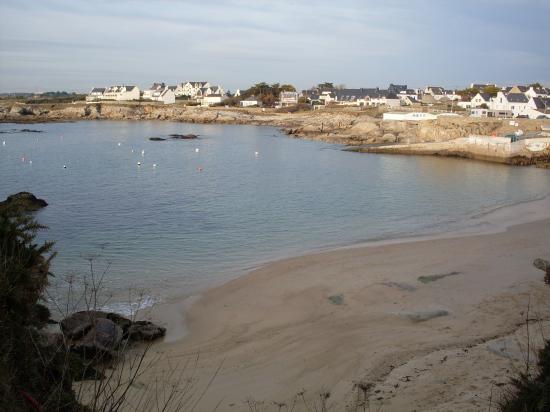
{"x": 436, "y": 324}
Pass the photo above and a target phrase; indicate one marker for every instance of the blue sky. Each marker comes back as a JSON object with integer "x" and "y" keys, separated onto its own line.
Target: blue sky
{"x": 74, "y": 44}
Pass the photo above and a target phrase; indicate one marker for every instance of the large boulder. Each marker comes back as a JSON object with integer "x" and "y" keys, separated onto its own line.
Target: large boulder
{"x": 101, "y": 340}
{"x": 26, "y": 201}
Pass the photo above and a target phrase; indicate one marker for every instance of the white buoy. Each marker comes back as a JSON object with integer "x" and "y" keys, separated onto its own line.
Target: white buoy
{"x": 256, "y": 154}
{"x": 30, "y": 162}
{"x": 64, "y": 166}
{"x": 154, "y": 165}
{"x": 132, "y": 150}
{"x": 197, "y": 150}
{"x": 139, "y": 163}
{"x": 143, "y": 152}
{"x": 119, "y": 143}
{"x": 3, "y": 142}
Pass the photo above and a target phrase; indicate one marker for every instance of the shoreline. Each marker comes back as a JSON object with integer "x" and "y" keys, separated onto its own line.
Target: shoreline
{"x": 493, "y": 221}
{"x": 362, "y": 313}
{"x": 361, "y": 130}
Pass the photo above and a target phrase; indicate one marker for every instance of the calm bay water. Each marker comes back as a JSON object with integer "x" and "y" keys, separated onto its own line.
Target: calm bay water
{"x": 202, "y": 217}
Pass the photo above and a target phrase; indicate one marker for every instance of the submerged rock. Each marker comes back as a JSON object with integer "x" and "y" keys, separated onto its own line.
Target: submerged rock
{"x": 184, "y": 136}
{"x": 157, "y": 139}
{"x": 423, "y": 315}
{"x": 26, "y": 201}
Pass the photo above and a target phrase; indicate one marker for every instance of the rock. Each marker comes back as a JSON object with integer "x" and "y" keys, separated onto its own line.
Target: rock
{"x": 143, "y": 330}
{"x": 101, "y": 340}
{"x": 389, "y": 138}
{"x": 336, "y": 299}
{"x": 422, "y": 316}
{"x": 157, "y": 139}
{"x": 184, "y": 136}
{"x": 78, "y": 324}
{"x": 545, "y": 266}
{"x": 26, "y": 201}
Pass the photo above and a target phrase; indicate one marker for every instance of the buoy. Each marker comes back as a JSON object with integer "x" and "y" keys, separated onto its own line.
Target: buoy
{"x": 143, "y": 152}
{"x": 64, "y": 166}
{"x": 3, "y": 143}
{"x": 132, "y": 150}
{"x": 199, "y": 169}
{"x": 197, "y": 150}
{"x": 139, "y": 163}
{"x": 154, "y": 165}
{"x": 30, "y": 162}
{"x": 256, "y": 154}
{"x": 119, "y": 143}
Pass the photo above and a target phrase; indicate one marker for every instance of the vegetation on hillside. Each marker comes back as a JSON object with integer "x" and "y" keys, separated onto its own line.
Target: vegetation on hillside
{"x": 268, "y": 94}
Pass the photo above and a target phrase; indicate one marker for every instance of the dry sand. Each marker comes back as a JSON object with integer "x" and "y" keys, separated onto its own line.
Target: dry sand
{"x": 435, "y": 324}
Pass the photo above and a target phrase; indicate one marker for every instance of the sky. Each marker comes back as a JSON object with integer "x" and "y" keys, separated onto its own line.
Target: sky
{"x": 75, "y": 45}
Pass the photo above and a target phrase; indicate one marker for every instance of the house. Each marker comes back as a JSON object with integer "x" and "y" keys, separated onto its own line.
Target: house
{"x": 538, "y": 92}
{"x": 211, "y": 99}
{"x": 191, "y": 89}
{"x": 147, "y": 94}
{"x": 288, "y": 99}
{"x": 481, "y": 99}
{"x": 408, "y": 100}
{"x": 481, "y": 112}
{"x": 95, "y": 94}
{"x": 538, "y": 107}
{"x": 120, "y": 93}
{"x": 409, "y": 116}
{"x": 516, "y": 89}
{"x": 237, "y": 93}
{"x": 397, "y": 88}
{"x": 435, "y": 91}
{"x": 249, "y": 102}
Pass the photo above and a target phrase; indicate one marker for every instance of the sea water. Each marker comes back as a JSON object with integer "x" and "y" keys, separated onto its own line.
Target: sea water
{"x": 172, "y": 217}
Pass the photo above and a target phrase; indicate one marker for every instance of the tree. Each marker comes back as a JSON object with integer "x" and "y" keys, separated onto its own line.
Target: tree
{"x": 535, "y": 85}
{"x": 492, "y": 90}
{"x": 467, "y": 94}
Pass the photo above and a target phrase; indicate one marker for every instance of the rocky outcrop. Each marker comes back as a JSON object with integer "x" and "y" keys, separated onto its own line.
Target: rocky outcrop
{"x": 96, "y": 334}
{"x": 26, "y": 201}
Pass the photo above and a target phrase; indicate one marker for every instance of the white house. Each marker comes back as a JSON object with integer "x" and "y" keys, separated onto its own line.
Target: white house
{"x": 288, "y": 98}
{"x": 436, "y": 91}
{"x": 211, "y": 99}
{"x": 538, "y": 107}
{"x": 538, "y": 92}
{"x": 480, "y": 99}
{"x": 249, "y": 102}
{"x": 120, "y": 93}
{"x": 409, "y": 116}
{"x": 95, "y": 94}
{"x": 191, "y": 89}
{"x": 517, "y": 103}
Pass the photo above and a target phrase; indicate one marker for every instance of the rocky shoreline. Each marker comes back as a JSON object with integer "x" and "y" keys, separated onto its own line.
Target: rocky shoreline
{"x": 362, "y": 130}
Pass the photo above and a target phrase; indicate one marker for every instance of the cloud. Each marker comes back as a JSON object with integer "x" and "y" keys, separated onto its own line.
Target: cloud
{"x": 75, "y": 44}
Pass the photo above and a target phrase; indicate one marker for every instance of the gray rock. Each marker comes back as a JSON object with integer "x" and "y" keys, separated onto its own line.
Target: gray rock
{"x": 101, "y": 340}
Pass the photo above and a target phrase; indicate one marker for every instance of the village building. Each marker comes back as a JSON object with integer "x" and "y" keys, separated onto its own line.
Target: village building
{"x": 211, "y": 99}
{"x": 481, "y": 99}
{"x": 95, "y": 94}
{"x": 288, "y": 99}
{"x": 251, "y": 101}
{"x": 118, "y": 93}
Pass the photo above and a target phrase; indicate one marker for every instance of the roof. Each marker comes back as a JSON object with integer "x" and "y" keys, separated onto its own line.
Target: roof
{"x": 517, "y": 98}
{"x": 98, "y": 90}
{"x": 436, "y": 89}
{"x": 250, "y": 99}
{"x": 485, "y": 96}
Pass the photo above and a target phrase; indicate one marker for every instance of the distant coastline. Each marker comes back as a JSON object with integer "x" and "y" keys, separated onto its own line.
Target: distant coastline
{"x": 362, "y": 130}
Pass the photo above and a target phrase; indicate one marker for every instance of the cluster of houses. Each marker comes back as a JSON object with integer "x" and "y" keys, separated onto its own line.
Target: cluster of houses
{"x": 515, "y": 101}
{"x": 201, "y": 92}
{"x": 394, "y": 96}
